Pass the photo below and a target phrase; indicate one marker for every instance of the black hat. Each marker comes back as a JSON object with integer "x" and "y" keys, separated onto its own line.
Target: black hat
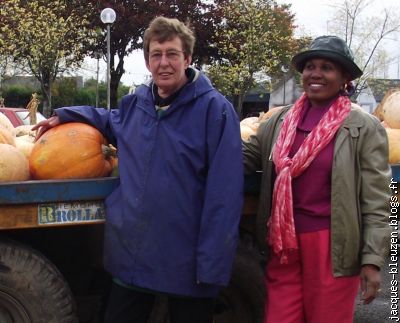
{"x": 330, "y": 47}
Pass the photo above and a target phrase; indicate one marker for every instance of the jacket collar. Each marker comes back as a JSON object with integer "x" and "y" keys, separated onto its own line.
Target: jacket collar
{"x": 190, "y": 91}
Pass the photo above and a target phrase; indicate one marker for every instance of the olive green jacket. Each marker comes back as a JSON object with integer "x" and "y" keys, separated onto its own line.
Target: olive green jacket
{"x": 360, "y": 195}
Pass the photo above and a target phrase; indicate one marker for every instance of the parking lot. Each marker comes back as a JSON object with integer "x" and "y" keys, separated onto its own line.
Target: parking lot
{"x": 379, "y": 310}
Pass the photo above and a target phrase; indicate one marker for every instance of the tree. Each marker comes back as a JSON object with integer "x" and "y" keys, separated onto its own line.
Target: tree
{"x": 134, "y": 16}
{"x": 256, "y": 43}
{"x": 365, "y": 34}
{"x": 4, "y": 67}
{"x": 8, "y": 69}
{"x": 47, "y": 36}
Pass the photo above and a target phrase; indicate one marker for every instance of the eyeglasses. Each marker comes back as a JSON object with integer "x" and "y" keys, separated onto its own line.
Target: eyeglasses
{"x": 171, "y": 55}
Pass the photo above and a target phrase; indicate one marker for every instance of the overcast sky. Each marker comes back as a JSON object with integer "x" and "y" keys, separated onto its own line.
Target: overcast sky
{"x": 311, "y": 16}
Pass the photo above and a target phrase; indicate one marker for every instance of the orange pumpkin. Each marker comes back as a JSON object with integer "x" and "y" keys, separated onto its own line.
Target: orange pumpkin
{"x": 394, "y": 144}
{"x": 71, "y": 150}
{"x": 246, "y": 132}
{"x": 265, "y": 116}
{"x": 14, "y": 165}
{"x": 390, "y": 109}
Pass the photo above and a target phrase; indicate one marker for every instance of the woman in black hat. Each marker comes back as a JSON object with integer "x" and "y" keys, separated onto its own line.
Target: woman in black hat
{"x": 324, "y": 201}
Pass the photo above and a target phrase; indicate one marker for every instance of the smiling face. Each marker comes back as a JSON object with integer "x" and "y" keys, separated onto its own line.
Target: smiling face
{"x": 167, "y": 63}
{"x": 322, "y": 80}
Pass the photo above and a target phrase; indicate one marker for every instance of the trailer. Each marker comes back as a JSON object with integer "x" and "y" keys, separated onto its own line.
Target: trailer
{"x": 50, "y": 248}
{"x": 51, "y": 239}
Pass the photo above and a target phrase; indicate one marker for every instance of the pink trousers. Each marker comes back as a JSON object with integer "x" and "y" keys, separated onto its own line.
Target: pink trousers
{"x": 304, "y": 290}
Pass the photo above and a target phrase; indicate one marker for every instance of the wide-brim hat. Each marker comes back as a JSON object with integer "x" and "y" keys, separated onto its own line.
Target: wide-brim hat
{"x": 330, "y": 47}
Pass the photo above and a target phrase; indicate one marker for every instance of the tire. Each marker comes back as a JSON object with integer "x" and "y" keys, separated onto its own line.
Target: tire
{"x": 243, "y": 300}
{"x": 32, "y": 290}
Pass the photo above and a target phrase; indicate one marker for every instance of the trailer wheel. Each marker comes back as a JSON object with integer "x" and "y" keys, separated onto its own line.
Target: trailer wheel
{"x": 242, "y": 301}
{"x": 32, "y": 290}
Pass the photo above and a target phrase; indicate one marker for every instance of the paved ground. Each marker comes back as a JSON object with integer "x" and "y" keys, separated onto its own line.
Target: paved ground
{"x": 379, "y": 310}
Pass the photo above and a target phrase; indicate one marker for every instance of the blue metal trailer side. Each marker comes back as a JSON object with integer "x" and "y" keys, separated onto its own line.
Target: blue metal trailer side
{"x": 51, "y": 237}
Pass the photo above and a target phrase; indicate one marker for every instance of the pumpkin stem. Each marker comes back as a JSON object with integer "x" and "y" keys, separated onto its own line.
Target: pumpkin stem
{"x": 109, "y": 151}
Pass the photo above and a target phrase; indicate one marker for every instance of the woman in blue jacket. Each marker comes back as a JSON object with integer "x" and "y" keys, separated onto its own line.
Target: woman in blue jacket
{"x": 172, "y": 223}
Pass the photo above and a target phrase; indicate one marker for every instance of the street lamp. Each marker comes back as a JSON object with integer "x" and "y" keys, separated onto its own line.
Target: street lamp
{"x": 108, "y": 16}
{"x": 284, "y": 69}
{"x": 97, "y": 56}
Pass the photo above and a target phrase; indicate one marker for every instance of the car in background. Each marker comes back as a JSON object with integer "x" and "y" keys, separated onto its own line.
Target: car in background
{"x": 19, "y": 116}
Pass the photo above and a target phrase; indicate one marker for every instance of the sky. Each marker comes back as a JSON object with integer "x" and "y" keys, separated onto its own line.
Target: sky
{"x": 311, "y": 17}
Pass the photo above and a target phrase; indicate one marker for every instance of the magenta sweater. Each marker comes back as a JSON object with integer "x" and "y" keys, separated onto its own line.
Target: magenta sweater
{"x": 312, "y": 189}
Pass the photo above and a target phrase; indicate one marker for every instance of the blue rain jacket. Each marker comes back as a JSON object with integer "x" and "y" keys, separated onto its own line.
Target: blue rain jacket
{"x": 172, "y": 223}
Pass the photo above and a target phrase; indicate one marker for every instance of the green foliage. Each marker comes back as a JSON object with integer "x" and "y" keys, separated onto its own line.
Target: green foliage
{"x": 85, "y": 97}
{"x": 255, "y": 41}
{"x": 102, "y": 95}
{"x": 17, "y": 96}
{"x": 65, "y": 93}
{"x": 122, "y": 90}
{"x": 47, "y": 36}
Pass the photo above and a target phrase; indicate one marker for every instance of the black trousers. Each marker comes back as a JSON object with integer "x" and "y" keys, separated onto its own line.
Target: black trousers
{"x": 130, "y": 306}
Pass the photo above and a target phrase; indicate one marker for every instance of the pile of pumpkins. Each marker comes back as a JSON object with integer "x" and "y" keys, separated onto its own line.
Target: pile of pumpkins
{"x": 67, "y": 151}
{"x": 249, "y": 126}
{"x": 388, "y": 112}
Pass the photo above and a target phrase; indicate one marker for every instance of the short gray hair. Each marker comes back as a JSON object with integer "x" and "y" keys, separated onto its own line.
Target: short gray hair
{"x": 163, "y": 29}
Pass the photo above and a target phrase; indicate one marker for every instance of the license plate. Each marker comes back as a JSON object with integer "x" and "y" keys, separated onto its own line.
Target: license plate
{"x": 66, "y": 213}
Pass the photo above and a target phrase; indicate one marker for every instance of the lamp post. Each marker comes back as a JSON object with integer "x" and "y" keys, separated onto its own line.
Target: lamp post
{"x": 108, "y": 16}
{"x": 97, "y": 55}
{"x": 284, "y": 69}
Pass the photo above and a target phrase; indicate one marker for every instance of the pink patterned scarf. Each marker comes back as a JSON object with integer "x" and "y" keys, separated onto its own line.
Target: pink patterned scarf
{"x": 282, "y": 236}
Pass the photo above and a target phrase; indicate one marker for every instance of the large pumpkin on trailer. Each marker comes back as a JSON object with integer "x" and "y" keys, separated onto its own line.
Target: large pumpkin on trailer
{"x": 71, "y": 150}
{"x": 390, "y": 109}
